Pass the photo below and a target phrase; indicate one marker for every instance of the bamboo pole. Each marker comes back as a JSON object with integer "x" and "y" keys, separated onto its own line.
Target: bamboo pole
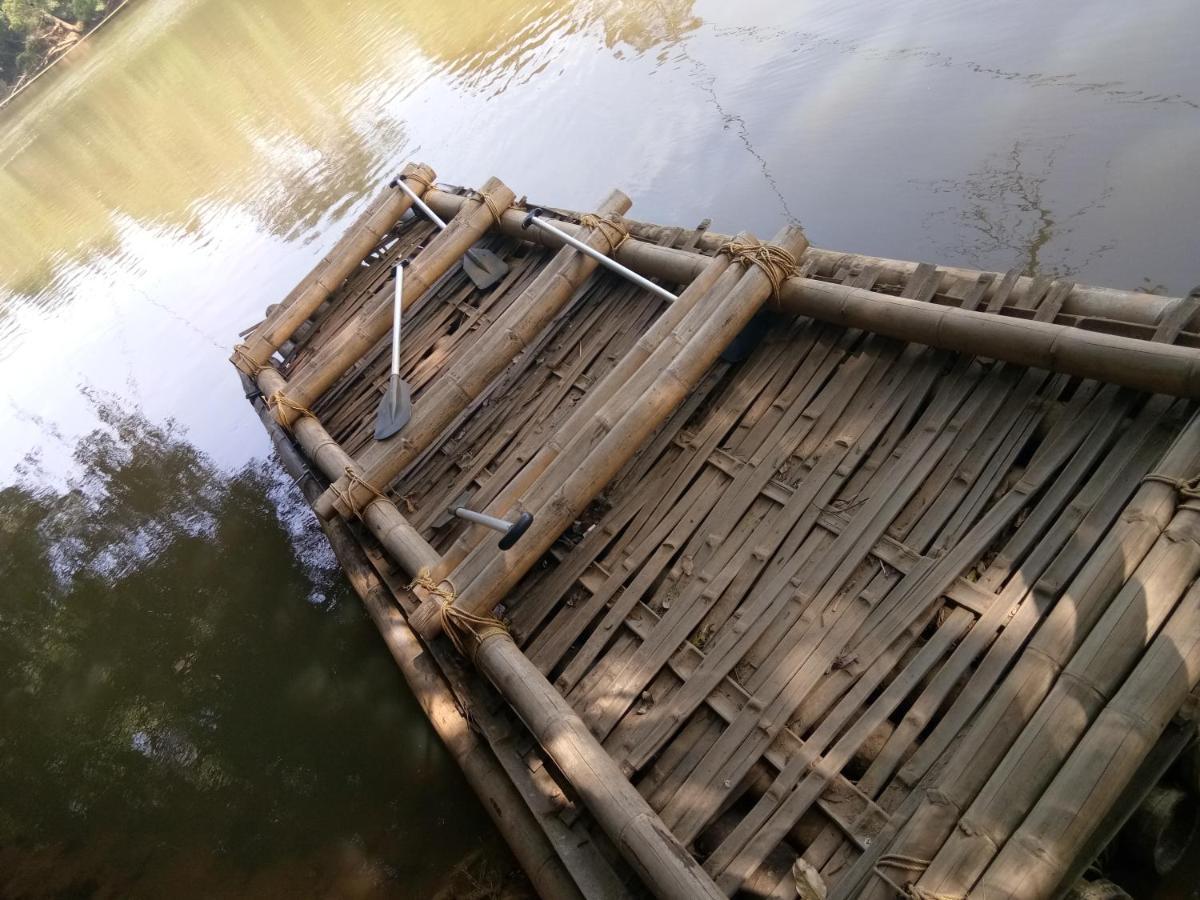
{"x": 457, "y": 387}
{"x": 1034, "y": 860}
{"x": 327, "y": 276}
{"x": 643, "y": 414}
{"x": 1140, "y": 364}
{"x": 588, "y": 409}
{"x": 385, "y": 520}
{"x": 497, "y": 794}
{"x": 1110, "y": 650}
{"x": 1085, "y": 301}
{"x": 923, "y": 823}
{"x": 346, "y": 347}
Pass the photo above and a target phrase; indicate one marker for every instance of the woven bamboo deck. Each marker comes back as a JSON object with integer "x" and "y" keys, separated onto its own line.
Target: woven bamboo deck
{"x": 923, "y": 619}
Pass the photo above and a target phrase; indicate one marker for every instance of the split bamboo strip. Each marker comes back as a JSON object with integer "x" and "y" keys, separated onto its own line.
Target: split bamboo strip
{"x": 925, "y": 821}
{"x": 1119, "y": 360}
{"x": 1083, "y": 301}
{"x": 338, "y": 264}
{"x": 498, "y": 795}
{"x": 620, "y": 443}
{"x": 344, "y": 349}
{"x": 458, "y": 386}
{"x": 1043, "y": 848}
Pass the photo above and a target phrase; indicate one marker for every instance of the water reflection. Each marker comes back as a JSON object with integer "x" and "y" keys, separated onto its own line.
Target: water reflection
{"x": 1006, "y": 218}
{"x": 192, "y": 701}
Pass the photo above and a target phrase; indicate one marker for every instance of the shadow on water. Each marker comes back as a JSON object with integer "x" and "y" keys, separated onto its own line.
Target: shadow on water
{"x": 193, "y": 701}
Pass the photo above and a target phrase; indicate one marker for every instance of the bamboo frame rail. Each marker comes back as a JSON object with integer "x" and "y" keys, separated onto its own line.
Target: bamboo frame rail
{"x": 644, "y": 414}
{"x": 359, "y": 239}
{"x": 1083, "y": 301}
{"x": 345, "y": 348}
{"x": 869, "y": 566}
{"x": 459, "y": 386}
{"x": 1088, "y": 354}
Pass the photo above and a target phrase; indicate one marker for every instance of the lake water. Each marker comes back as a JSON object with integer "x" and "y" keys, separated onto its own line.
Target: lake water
{"x": 191, "y": 701}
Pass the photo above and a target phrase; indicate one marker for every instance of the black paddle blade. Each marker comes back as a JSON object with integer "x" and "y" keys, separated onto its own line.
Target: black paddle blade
{"x": 395, "y": 409}
{"x": 484, "y": 267}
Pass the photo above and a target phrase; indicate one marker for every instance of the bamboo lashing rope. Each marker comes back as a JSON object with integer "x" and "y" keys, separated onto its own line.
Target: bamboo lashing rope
{"x": 1187, "y": 487}
{"x": 607, "y": 226}
{"x": 419, "y": 179}
{"x": 487, "y": 200}
{"x": 241, "y": 351}
{"x": 912, "y": 864}
{"x": 278, "y": 399}
{"x": 465, "y": 629}
{"x": 775, "y": 262}
{"x": 353, "y": 479}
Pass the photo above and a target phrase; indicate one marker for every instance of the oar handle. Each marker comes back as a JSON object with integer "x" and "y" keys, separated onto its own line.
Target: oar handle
{"x": 607, "y": 261}
{"x": 397, "y": 311}
{"x": 420, "y": 204}
{"x": 512, "y": 531}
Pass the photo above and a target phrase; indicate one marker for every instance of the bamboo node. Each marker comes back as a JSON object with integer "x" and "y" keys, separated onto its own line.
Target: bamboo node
{"x": 487, "y": 200}
{"x": 280, "y": 399}
{"x": 775, "y": 262}
{"x": 242, "y": 352}
{"x": 354, "y": 480}
{"x": 467, "y": 630}
{"x": 614, "y": 233}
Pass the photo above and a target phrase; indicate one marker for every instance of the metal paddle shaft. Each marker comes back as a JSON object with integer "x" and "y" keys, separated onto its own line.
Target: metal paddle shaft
{"x": 395, "y": 409}
{"x": 482, "y": 266}
{"x": 512, "y": 531}
{"x": 607, "y": 261}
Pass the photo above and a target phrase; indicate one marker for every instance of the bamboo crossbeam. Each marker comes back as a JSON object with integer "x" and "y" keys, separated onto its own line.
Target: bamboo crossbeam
{"x": 1084, "y": 301}
{"x": 457, "y": 387}
{"x": 348, "y": 346}
{"x": 337, "y": 265}
{"x": 1155, "y": 368}
{"x": 643, "y": 414}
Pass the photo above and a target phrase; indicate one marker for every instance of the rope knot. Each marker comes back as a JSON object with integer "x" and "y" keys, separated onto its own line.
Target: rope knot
{"x": 280, "y": 399}
{"x": 775, "y": 262}
{"x": 242, "y": 352}
{"x": 354, "y": 480}
{"x": 614, "y": 232}
{"x": 1187, "y": 487}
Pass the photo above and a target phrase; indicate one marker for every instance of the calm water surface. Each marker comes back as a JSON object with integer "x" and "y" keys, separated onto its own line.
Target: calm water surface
{"x": 191, "y": 702}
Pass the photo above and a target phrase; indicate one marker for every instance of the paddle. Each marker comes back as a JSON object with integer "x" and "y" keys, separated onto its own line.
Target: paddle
{"x": 482, "y": 266}
{"x": 395, "y": 409}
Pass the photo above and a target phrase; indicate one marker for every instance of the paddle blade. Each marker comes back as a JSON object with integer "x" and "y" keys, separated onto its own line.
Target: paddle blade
{"x": 484, "y": 267}
{"x": 395, "y": 409}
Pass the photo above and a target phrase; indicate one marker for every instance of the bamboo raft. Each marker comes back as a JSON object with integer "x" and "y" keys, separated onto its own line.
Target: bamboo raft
{"x": 846, "y": 574}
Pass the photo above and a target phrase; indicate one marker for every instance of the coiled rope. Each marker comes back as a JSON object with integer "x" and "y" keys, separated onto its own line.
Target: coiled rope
{"x": 467, "y": 630}
{"x": 487, "y": 200}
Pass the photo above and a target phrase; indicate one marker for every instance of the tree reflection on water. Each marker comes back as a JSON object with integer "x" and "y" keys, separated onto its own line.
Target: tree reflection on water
{"x": 192, "y": 702}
